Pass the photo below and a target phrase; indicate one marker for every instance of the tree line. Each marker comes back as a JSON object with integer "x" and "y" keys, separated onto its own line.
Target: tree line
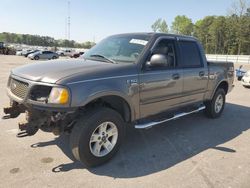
{"x": 218, "y": 34}
{"x": 37, "y": 40}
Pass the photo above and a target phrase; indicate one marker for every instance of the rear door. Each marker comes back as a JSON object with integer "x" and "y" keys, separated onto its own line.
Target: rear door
{"x": 195, "y": 71}
{"x": 161, "y": 87}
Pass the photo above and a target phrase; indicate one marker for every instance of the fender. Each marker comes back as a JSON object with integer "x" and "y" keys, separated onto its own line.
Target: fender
{"x": 217, "y": 85}
{"x": 97, "y": 95}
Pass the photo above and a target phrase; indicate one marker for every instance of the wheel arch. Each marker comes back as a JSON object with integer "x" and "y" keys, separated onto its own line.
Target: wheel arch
{"x": 115, "y": 101}
{"x": 222, "y": 84}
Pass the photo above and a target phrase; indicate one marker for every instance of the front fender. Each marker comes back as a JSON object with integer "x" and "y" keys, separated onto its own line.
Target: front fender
{"x": 85, "y": 93}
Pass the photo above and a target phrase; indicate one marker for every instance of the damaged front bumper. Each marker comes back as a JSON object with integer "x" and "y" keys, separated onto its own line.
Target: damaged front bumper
{"x": 48, "y": 121}
{"x": 30, "y": 97}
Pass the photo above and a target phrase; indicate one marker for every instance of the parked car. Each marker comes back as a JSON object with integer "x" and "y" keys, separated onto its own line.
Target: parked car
{"x": 31, "y": 52}
{"x": 246, "y": 79}
{"x": 240, "y": 73}
{"x": 65, "y": 52}
{"x": 19, "y": 52}
{"x": 140, "y": 80}
{"x": 43, "y": 55}
{"x": 22, "y": 52}
{"x": 76, "y": 54}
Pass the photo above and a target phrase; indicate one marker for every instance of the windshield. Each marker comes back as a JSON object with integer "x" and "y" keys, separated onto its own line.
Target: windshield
{"x": 125, "y": 49}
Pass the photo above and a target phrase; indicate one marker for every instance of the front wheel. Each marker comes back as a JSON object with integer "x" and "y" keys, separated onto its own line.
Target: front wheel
{"x": 215, "y": 107}
{"x": 96, "y": 136}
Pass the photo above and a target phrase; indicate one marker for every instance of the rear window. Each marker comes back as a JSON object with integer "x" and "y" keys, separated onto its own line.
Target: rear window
{"x": 190, "y": 54}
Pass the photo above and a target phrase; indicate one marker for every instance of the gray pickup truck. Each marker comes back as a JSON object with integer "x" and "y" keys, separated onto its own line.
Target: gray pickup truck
{"x": 136, "y": 79}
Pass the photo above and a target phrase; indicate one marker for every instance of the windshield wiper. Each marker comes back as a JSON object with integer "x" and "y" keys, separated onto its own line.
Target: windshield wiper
{"x": 103, "y": 57}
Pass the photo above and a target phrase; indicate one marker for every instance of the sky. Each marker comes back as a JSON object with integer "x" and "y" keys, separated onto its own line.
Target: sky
{"x": 96, "y": 19}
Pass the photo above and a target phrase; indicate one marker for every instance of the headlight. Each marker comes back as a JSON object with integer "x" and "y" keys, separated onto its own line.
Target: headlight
{"x": 59, "y": 96}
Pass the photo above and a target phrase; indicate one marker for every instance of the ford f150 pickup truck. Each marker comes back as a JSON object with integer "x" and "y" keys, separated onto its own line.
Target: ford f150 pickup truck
{"x": 136, "y": 79}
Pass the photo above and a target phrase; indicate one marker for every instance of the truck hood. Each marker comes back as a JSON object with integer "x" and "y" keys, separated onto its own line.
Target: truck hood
{"x": 56, "y": 71}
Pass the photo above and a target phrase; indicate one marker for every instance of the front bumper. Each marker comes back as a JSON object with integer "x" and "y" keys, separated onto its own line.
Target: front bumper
{"x": 41, "y": 115}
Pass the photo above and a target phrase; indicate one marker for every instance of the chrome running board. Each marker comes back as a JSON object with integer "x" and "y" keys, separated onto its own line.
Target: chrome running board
{"x": 153, "y": 123}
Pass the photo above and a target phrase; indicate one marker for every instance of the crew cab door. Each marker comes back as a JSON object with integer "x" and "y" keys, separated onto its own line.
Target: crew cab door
{"x": 160, "y": 86}
{"x": 195, "y": 71}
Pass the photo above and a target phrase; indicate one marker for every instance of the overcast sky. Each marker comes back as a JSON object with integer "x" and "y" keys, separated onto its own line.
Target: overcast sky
{"x": 96, "y": 19}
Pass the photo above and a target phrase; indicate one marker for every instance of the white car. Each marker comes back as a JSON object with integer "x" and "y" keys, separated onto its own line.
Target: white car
{"x": 65, "y": 52}
{"x": 22, "y": 52}
{"x": 246, "y": 79}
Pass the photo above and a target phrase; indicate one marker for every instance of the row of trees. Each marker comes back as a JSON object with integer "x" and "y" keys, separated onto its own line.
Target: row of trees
{"x": 218, "y": 34}
{"x": 42, "y": 41}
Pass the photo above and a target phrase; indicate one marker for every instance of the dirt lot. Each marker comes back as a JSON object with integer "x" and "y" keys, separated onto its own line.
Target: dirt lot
{"x": 190, "y": 152}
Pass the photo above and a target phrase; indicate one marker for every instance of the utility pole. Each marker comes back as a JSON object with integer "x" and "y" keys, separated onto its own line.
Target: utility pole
{"x": 66, "y": 29}
{"x": 68, "y": 20}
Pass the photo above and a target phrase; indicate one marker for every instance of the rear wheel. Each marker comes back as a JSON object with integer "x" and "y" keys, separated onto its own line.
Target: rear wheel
{"x": 36, "y": 57}
{"x": 96, "y": 136}
{"x": 215, "y": 107}
{"x": 54, "y": 57}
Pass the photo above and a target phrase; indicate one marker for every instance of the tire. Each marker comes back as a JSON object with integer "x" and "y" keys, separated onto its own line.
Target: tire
{"x": 246, "y": 86}
{"x": 215, "y": 107}
{"x": 239, "y": 78}
{"x": 54, "y": 57}
{"x": 36, "y": 57}
{"x": 84, "y": 149}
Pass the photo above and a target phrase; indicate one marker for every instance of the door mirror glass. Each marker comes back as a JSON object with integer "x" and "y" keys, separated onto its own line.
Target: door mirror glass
{"x": 158, "y": 60}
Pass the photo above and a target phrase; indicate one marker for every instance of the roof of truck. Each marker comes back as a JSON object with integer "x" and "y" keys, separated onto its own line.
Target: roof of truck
{"x": 156, "y": 34}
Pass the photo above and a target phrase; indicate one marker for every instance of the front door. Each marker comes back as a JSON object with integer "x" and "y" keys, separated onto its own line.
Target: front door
{"x": 161, "y": 87}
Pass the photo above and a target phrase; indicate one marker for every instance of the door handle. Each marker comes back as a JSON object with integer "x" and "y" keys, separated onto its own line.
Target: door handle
{"x": 176, "y": 76}
{"x": 201, "y": 73}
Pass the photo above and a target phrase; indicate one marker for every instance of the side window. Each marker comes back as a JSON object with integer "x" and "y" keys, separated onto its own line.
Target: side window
{"x": 190, "y": 54}
{"x": 166, "y": 47}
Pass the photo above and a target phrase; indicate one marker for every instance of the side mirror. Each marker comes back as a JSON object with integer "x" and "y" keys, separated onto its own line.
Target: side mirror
{"x": 158, "y": 60}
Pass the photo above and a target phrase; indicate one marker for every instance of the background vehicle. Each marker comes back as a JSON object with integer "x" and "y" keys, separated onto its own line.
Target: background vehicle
{"x": 30, "y": 52}
{"x": 25, "y": 52}
{"x": 240, "y": 73}
{"x": 6, "y": 50}
{"x": 246, "y": 80}
{"x": 65, "y": 52}
{"x": 43, "y": 55}
{"x": 76, "y": 54}
{"x": 139, "y": 80}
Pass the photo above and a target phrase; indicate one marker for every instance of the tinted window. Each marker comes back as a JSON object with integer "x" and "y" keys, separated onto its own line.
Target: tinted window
{"x": 47, "y": 52}
{"x": 166, "y": 47}
{"x": 190, "y": 54}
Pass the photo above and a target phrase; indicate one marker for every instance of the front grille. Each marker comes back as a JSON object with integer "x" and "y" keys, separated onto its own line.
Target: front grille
{"x": 18, "y": 88}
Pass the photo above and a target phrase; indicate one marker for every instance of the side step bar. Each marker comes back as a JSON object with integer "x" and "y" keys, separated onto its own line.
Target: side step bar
{"x": 151, "y": 124}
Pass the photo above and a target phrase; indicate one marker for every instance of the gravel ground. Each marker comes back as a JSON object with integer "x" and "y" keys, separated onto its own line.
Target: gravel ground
{"x": 190, "y": 152}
